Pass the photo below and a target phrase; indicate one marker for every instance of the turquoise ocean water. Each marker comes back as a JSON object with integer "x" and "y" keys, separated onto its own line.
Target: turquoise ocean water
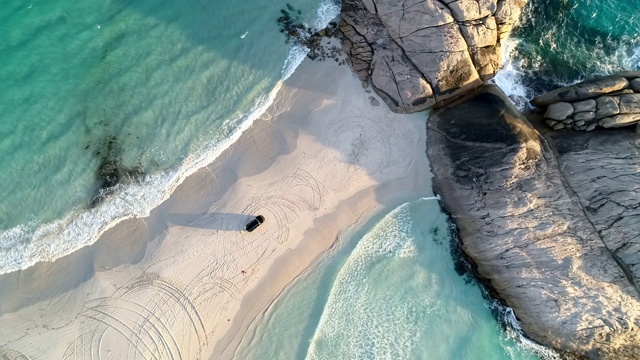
{"x": 161, "y": 86}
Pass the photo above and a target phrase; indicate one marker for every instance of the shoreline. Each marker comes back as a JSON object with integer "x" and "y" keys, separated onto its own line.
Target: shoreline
{"x": 250, "y": 309}
{"x": 320, "y": 160}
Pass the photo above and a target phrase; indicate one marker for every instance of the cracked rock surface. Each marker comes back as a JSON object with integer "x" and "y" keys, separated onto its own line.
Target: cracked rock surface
{"x": 603, "y": 169}
{"x": 417, "y": 53}
{"x": 552, "y": 227}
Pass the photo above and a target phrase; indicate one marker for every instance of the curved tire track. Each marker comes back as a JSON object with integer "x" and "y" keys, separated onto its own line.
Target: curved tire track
{"x": 12, "y": 355}
{"x": 144, "y": 324}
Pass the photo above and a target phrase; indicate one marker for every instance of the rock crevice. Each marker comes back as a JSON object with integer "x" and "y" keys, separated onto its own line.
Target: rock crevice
{"x": 441, "y": 49}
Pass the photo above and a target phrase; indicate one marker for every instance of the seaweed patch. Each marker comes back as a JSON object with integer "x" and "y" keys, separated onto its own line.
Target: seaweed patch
{"x": 112, "y": 171}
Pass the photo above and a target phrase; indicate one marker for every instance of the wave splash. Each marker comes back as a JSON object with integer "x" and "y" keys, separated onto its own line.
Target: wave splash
{"x": 27, "y": 244}
{"x": 558, "y": 44}
{"x": 327, "y": 11}
{"x": 511, "y": 78}
{"x": 514, "y": 331}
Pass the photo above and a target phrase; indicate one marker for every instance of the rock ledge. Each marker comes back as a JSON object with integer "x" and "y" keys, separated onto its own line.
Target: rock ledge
{"x": 608, "y": 102}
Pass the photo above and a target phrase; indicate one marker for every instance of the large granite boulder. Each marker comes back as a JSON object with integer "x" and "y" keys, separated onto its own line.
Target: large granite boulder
{"x": 559, "y": 111}
{"x": 586, "y": 105}
{"x": 619, "y": 120}
{"x": 556, "y": 246}
{"x": 606, "y": 106}
{"x": 416, "y": 53}
{"x": 608, "y": 102}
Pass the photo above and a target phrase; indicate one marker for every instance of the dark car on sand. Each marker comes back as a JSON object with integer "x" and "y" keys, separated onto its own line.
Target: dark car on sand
{"x": 253, "y": 224}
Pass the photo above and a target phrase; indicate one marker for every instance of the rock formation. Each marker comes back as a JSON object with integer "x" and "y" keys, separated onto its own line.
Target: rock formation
{"x": 296, "y": 32}
{"x": 602, "y": 169}
{"x": 416, "y": 53}
{"x": 552, "y": 226}
{"x": 612, "y": 101}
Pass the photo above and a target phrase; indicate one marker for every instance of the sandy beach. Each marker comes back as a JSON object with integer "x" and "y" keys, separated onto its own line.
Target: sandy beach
{"x": 185, "y": 282}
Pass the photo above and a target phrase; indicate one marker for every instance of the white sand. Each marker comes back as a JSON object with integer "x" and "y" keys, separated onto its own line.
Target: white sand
{"x": 185, "y": 283}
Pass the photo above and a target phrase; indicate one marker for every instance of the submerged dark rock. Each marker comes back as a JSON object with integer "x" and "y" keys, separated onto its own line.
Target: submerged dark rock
{"x": 112, "y": 171}
{"x": 525, "y": 214}
{"x": 298, "y": 33}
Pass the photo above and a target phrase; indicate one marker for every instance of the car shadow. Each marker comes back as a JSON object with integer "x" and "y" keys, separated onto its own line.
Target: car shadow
{"x": 212, "y": 221}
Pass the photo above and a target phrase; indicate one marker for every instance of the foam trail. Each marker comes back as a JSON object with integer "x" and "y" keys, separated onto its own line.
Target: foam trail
{"x": 631, "y": 61}
{"x": 437, "y": 197}
{"x": 26, "y": 245}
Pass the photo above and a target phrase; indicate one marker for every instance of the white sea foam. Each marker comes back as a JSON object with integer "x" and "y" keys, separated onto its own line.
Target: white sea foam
{"x": 295, "y": 58}
{"x": 327, "y": 11}
{"x": 25, "y": 245}
{"x": 629, "y": 57}
{"x": 510, "y": 77}
{"x": 515, "y": 331}
{"x": 437, "y": 197}
{"x": 377, "y": 329}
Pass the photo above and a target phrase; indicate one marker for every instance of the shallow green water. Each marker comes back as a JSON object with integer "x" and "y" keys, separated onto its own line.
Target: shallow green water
{"x": 168, "y": 83}
{"x": 391, "y": 292}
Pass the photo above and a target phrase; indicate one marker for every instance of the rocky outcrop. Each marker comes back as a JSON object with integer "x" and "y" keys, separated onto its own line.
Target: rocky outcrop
{"x": 557, "y": 246}
{"x": 602, "y": 170}
{"x": 416, "y": 53}
{"x": 611, "y": 101}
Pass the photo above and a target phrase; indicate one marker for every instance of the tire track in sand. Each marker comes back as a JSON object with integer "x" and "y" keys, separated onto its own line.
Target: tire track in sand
{"x": 12, "y": 355}
{"x": 149, "y": 318}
